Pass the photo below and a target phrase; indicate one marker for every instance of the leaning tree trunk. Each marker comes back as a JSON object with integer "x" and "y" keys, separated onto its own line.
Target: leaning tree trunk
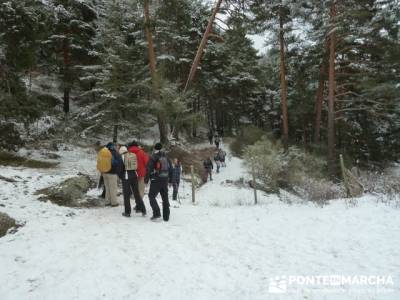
{"x": 319, "y": 103}
{"x": 162, "y": 124}
{"x": 331, "y": 93}
{"x": 284, "y": 104}
{"x": 202, "y": 46}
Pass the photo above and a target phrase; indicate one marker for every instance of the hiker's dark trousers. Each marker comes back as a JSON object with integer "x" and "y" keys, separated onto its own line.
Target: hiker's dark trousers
{"x": 159, "y": 186}
{"x": 130, "y": 186}
{"x": 175, "y": 187}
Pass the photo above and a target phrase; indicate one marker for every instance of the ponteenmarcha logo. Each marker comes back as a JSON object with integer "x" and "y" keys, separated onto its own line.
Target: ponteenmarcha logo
{"x": 277, "y": 285}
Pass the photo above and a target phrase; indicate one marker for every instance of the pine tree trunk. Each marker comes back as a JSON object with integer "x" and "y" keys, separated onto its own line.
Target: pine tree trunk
{"x": 331, "y": 93}
{"x": 115, "y": 134}
{"x": 162, "y": 125}
{"x": 284, "y": 104}
{"x": 66, "y": 100}
{"x": 150, "y": 44}
{"x": 202, "y": 46}
{"x": 319, "y": 103}
{"x": 66, "y": 75}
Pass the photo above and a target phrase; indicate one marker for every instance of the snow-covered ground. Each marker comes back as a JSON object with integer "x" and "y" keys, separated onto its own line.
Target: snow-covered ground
{"x": 220, "y": 248}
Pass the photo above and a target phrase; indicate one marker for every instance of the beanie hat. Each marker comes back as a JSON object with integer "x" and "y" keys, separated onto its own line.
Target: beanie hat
{"x": 123, "y": 150}
{"x": 134, "y": 143}
{"x": 158, "y": 146}
{"x": 110, "y": 146}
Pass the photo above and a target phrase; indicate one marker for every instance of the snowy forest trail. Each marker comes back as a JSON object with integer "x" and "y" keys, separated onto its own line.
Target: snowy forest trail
{"x": 219, "y": 248}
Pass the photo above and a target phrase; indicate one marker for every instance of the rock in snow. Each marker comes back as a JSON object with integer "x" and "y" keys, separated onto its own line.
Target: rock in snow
{"x": 6, "y": 222}
{"x": 70, "y": 192}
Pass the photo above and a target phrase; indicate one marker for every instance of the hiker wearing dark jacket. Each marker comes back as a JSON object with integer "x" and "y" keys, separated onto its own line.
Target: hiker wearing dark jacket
{"x": 130, "y": 186}
{"x": 217, "y": 160}
{"x": 111, "y": 177}
{"x": 208, "y": 167}
{"x": 210, "y": 137}
{"x": 176, "y": 178}
{"x": 159, "y": 172}
{"x": 222, "y": 156}
{"x": 217, "y": 141}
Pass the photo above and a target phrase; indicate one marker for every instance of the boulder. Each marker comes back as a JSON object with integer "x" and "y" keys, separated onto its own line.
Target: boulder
{"x": 6, "y": 222}
{"x": 71, "y": 192}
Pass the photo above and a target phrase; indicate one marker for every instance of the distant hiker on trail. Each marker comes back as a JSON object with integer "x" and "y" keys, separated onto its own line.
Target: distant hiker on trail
{"x": 109, "y": 163}
{"x": 217, "y": 140}
{"x": 142, "y": 160}
{"x": 130, "y": 182}
{"x": 222, "y": 157}
{"x": 217, "y": 160}
{"x": 220, "y": 132}
{"x": 176, "y": 178}
{"x": 208, "y": 167}
{"x": 210, "y": 137}
{"x": 159, "y": 172}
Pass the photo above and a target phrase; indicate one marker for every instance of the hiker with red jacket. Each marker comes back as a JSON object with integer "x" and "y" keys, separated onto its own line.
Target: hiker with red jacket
{"x": 159, "y": 172}
{"x": 142, "y": 160}
{"x": 130, "y": 182}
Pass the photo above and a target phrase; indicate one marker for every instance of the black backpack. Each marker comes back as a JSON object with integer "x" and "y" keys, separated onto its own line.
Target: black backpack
{"x": 117, "y": 163}
{"x": 162, "y": 167}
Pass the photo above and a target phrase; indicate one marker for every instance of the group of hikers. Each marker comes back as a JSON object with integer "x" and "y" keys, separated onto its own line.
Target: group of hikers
{"x": 219, "y": 159}
{"x": 214, "y": 137}
{"x": 135, "y": 168}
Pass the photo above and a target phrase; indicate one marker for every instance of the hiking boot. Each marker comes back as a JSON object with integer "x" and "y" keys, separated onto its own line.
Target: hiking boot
{"x": 155, "y": 218}
{"x": 126, "y": 215}
{"x": 144, "y": 213}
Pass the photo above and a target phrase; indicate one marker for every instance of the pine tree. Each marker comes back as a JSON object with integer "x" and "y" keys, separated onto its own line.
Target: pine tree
{"x": 71, "y": 40}
{"x": 23, "y": 25}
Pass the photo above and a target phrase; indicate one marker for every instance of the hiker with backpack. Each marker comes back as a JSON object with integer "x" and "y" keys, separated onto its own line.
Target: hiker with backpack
{"x": 130, "y": 182}
{"x": 159, "y": 172}
{"x": 110, "y": 164}
{"x": 176, "y": 178}
{"x": 222, "y": 157}
{"x": 217, "y": 141}
{"x": 142, "y": 160}
{"x": 208, "y": 167}
{"x": 217, "y": 160}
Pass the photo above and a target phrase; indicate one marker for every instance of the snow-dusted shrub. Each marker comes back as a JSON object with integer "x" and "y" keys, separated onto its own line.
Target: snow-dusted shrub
{"x": 296, "y": 170}
{"x": 319, "y": 190}
{"x": 248, "y": 136}
{"x": 385, "y": 185}
{"x": 380, "y": 182}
